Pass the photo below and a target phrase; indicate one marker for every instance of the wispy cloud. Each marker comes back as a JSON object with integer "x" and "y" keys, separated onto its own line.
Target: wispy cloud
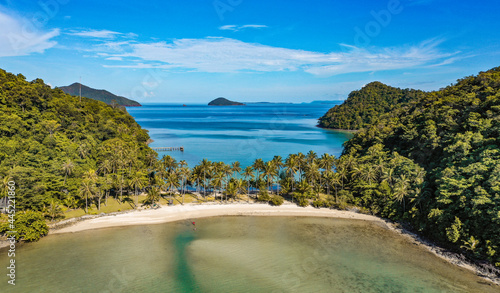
{"x": 221, "y": 55}
{"x": 19, "y": 37}
{"x": 100, "y": 34}
{"x": 235, "y": 28}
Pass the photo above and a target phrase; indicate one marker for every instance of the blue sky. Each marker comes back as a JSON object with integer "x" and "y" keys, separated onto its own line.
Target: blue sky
{"x": 290, "y": 51}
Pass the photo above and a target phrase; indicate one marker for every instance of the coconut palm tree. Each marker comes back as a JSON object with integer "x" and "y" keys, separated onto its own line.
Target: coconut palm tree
{"x": 206, "y": 167}
{"x": 87, "y": 191}
{"x": 291, "y": 167}
{"x": 402, "y": 189}
{"x": 258, "y": 166}
{"x": 137, "y": 182}
{"x": 235, "y": 168}
{"x": 248, "y": 175}
{"x": 301, "y": 160}
{"x": 269, "y": 172}
{"x": 68, "y": 166}
{"x": 153, "y": 194}
{"x": 184, "y": 173}
{"x": 172, "y": 181}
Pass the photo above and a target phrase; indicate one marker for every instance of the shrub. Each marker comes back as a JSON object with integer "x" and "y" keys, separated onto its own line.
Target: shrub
{"x": 29, "y": 225}
{"x": 277, "y": 200}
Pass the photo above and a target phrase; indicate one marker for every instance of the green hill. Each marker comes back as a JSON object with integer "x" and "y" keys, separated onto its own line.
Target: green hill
{"x": 63, "y": 152}
{"x": 100, "y": 95}
{"x": 363, "y": 107}
{"x": 224, "y": 102}
{"x": 435, "y": 164}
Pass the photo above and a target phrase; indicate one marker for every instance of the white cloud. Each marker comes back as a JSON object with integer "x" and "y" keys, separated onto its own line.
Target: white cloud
{"x": 100, "y": 34}
{"x": 231, "y": 55}
{"x": 19, "y": 37}
{"x": 235, "y": 28}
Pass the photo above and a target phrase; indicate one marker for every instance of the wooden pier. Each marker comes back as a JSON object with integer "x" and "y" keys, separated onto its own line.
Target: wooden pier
{"x": 164, "y": 149}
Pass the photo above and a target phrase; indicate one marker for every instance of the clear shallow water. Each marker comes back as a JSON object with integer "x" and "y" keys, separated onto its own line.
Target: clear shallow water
{"x": 238, "y": 133}
{"x": 236, "y": 254}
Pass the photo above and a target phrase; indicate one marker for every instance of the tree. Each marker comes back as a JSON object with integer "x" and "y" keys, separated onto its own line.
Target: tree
{"x": 30, "y": 226}
{"x": 67, "y": 167}
{"x": 87, "y": 191}
{"x": 138, "y": 181}
{"x": 54, "y": 210}
{"x": 248, "y": 174}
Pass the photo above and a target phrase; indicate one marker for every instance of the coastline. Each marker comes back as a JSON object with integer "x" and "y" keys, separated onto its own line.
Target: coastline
{"x": 167, "y": 214}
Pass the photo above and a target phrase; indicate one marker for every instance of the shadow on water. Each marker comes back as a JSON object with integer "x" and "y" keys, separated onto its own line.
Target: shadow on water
{"x": 183, "y": 271}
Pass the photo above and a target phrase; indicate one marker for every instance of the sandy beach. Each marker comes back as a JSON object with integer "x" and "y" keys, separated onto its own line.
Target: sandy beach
{"x": 192, "y": 211}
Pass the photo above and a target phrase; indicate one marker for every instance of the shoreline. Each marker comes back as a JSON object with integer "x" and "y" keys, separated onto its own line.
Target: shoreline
{"x": 166, "y": 214}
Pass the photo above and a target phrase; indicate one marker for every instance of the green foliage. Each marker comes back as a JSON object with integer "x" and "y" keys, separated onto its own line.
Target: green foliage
{"x": 29, "y": 225}
{"x": 435, "y": 164}
{"x": 277, "y": 200}
{"x": 364, "y": 107}
{"x": 49, "y": 141}
{"x": 263, "y": 195}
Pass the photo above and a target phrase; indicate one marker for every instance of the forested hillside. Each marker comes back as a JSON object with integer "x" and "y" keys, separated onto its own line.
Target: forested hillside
{"x": 100, "y": 95}
{"x": 436, "y": 165}
{"x": 58, "y": 149}
{"x": 363, "y": 107}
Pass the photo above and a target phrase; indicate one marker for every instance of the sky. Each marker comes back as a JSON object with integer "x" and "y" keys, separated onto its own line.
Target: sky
{"x": 248, "y": 50}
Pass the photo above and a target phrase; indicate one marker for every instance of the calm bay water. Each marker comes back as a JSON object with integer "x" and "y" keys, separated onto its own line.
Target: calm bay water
{"x": 236, "y": 254}
{"x": 238, "y": 133}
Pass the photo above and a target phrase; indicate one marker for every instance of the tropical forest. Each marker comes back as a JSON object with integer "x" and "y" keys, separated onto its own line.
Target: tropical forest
{"x": 427, "y": 160}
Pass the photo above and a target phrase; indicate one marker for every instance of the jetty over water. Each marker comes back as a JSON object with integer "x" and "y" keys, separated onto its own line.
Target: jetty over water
{"x": 165, "y": 149}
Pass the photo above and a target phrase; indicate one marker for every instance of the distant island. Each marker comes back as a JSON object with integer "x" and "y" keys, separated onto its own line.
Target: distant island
{"x": 224, "y": 102}
{"x": 100, "y": 95}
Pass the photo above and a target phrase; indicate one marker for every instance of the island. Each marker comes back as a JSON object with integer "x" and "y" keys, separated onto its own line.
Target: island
{"x": 100, "y": 95}
{"x": 224, "y": 102}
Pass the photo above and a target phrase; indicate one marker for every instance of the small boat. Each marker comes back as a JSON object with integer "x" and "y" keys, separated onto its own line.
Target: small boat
{"x": 184, "y": 105}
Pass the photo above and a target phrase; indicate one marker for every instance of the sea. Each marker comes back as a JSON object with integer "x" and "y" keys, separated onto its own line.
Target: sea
{"x": 239, "y": 133}
{"x": 235, "y": 254}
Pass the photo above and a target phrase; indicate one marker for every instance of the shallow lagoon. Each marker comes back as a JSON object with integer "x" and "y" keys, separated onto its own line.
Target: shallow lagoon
{"x": 237, "y": 254}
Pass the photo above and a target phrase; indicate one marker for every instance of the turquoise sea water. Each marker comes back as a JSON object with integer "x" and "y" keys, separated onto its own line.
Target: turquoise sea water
{"x": 238, "y": 133}
{"x": 236, "y": 254}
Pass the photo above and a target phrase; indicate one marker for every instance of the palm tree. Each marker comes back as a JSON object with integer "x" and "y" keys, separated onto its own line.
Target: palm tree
{"x": 153, "y": 195}
{"x": 258, "y": 166}
{"x": 137, "y": 181}
{"x": 217, "y": 181}
{"x": 402, "y": 189}
{"x": 278, "y": 163}
{"x": 301, "y": 160}
{"x": 292, "y": 166}
{"x": 54, "y": 210}
{"x": 235, "y": 168}
{"x": 184, "y": 173}
{"x": 269, "y": 172}
{"x": 369, "y": 174}
{"x": 68, "y": 166}
{"x": 151, "y": 158}
{"x": 172, "y": 181}
{"x": 206, "y": 167}
{"x": 87, "y": 190}
{"x": 248, "y": 174}
{"x": 5, "y": 186}
{"x": 311, "y": 157}
{"x": 388, "y": 176}
{"x": 169, "y": 163}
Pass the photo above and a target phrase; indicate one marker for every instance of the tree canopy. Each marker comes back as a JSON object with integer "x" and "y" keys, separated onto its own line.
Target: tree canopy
{"x": 363, "y": 107}
{"x": 435, "y": 163}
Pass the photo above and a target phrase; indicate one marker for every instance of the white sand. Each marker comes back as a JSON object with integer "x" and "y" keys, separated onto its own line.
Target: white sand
{"x": 192, "y": 211}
